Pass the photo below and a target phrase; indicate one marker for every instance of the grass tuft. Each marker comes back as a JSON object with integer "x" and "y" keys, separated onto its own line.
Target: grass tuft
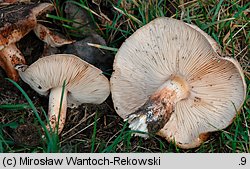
{"x": 52, "y": 140}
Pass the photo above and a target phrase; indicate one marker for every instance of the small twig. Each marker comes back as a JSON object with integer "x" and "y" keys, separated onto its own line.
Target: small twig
{"x": 237, "y": 32}
{"x": 102, "y": 47}
{"x": 80, "y": 131}
{"x": 81, "y": 121}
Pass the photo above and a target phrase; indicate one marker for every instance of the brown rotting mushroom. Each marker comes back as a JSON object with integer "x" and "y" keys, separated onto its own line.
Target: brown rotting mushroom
{"x": 15, "y": 22}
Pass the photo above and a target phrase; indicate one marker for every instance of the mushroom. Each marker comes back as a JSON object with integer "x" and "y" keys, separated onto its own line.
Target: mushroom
{"x": 169, "y": 80}
{"x": 84, "y": 83}
{"x": 49, "y": 37}
{"x": 15, "y": 22}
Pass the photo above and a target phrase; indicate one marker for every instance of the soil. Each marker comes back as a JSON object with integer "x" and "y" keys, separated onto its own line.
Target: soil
{"x": 28, "y": 132}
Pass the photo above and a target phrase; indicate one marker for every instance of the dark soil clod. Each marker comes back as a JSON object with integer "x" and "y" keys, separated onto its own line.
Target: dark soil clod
{"x": 27, "y": 135}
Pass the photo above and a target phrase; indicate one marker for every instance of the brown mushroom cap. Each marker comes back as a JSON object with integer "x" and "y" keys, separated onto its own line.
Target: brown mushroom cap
{"x": 15, "y": 22}
{"x": 19, "y": 19}
{"x": 49, "y": 37}
{"x": 168, "y": 79}
{"x": 84, "y": 83}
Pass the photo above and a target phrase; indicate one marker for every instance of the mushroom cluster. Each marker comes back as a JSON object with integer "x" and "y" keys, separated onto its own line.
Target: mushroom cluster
{"x": 71, "y": 82}
{"x": 169, "y": 80}
{"x": 68, "y": 80}
{"x": 169, "y": 77}
{"x": 16, "y": 21}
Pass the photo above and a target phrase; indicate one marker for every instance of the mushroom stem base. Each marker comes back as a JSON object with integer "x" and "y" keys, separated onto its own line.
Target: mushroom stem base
{"x": 57, "y": 109}
{"x": 156, "y": 112}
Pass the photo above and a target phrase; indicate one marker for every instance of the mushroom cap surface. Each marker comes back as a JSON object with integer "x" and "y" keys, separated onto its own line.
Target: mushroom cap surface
{"x": 19, "y": 19}
{"x": 84, "y": 83}
{"x": 167, "y": 48}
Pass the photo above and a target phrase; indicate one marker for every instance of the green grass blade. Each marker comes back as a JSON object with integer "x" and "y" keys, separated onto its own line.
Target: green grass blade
{"x": 59, "y": 18}
{"x": 128, "y": 15}
{"x": 1, "y": 140}
{"x": 60, "y": 108}
{"x": 217, "y": 10}
{"x": 116, "y": 141}
{"x": 15, "y": 106}
{"x": 93, "y": 138}
{"x": 4, "y": 141}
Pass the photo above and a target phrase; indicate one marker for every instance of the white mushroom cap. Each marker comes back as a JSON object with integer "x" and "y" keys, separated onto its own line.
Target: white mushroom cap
{"x": 84, "y": 83}
{"x": 168, "y": 76}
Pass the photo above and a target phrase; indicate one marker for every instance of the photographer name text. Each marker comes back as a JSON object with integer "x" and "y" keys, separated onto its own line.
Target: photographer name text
{"x": 76, "y": 161}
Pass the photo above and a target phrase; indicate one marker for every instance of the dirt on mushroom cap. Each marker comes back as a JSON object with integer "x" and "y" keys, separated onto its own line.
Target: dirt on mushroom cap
{"x": 15, "y": 22}
{"x": 11, "y": 14}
